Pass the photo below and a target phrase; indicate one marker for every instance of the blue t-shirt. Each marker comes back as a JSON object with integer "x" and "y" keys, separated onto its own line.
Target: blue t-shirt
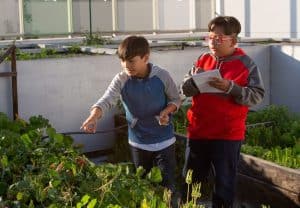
{"x": 143, "y": 100}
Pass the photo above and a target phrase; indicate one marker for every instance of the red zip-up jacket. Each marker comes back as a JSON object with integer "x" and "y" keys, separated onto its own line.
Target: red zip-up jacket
{"x": 223, "y": 116}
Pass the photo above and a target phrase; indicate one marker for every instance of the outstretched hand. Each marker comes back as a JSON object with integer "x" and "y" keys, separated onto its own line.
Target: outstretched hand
{"x": 89, "y": 125}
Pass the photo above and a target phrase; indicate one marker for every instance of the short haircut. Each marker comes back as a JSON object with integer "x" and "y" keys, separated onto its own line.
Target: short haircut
{"x": 229, "y": 24}
{"x": 133, "y": 46}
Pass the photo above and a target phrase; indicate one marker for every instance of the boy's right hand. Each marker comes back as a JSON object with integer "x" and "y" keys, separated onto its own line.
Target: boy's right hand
{"x": 90, "y": 124}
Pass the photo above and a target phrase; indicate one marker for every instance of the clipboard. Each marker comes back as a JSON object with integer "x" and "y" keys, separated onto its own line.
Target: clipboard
{"x": 201, "y": 80}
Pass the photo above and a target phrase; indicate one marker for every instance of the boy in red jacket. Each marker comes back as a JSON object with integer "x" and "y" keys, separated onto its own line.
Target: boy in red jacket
{"x": 217, "y": 120}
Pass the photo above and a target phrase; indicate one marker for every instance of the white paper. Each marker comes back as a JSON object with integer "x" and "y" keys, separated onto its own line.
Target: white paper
{"x": 201, "y": 80}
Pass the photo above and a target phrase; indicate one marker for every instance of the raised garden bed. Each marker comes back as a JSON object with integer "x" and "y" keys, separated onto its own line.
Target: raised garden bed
{"x": 264, "y": 182}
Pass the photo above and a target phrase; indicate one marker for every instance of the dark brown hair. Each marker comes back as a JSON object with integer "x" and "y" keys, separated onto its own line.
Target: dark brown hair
{"x": 133, "y": 46}
{"x": 229, "y": 24}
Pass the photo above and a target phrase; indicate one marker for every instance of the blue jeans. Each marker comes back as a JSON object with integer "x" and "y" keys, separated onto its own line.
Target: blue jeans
{"x": 223, "y": 157}
{"x": 163, "y": 159}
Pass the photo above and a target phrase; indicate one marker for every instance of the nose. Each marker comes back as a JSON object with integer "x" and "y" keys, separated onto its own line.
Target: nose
{"x": 214, "y": 41}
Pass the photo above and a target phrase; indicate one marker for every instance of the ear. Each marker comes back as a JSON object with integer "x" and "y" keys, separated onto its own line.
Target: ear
{"x": 146, "y": 57}
{"x": 234, "y": 42}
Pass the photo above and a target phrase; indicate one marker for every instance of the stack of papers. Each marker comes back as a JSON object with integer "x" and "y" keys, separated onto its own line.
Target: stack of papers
{"x": 201, "y": 80}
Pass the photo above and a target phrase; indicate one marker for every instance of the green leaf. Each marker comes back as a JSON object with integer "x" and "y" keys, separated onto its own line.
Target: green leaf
{"x": 26, "y": 139}
{"x": 59, "y": 138}
{"x": 85, "y": 199}
{"x": 31, "y": 204}
{"x": 19, "y": 196}
{"x": 92, "y": 203}
{"x": 140, "y": 171}
{"x": 4, "y": 161}
{"x": 56, "y": 183}
{"x": 155, "y": 175}
{"x": 79, "y": 205}
{"x": 51, "y": 132}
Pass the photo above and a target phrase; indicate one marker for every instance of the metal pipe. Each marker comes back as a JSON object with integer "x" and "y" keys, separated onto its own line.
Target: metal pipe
{"x": 14, "y": 83}
{"x": 90, "y": 11}
{"x": 70, "y": 17}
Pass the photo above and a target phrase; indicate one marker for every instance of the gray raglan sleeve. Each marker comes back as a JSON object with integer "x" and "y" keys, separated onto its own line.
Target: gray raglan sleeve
{"x": 254, "y": 92}
{"x": 112, "y": 93}
{"x": 171, "y": 89}
{"x": 188, "y": 87}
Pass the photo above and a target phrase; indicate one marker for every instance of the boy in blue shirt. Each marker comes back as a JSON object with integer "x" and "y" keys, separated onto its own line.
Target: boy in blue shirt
{"x": 149, "y": 96}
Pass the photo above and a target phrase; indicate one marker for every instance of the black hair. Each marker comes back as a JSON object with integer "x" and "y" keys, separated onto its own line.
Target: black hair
{"x": 133, "y": 46}
{"x": 229, "y": 24}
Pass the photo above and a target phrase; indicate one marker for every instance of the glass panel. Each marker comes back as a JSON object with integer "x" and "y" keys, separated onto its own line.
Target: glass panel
{"x": 134, "y": 15}
{"x": 101, "y": 15}
{"x": 45, "y": 17}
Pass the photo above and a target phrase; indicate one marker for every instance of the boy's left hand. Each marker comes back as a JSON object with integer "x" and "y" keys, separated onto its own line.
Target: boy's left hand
{"x": 219, "y": 83}
{"x": 163, "y": 118}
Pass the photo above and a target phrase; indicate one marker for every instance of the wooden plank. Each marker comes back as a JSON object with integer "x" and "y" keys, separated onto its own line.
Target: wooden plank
{"x": 271, "y": 173}
{"x": 251, "y": 191}
{"x": 8, "y": 74}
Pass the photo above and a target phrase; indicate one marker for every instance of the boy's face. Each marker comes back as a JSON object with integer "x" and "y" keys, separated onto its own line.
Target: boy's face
{"x": 219, "y": 44}
{"x": 136, "y": 66}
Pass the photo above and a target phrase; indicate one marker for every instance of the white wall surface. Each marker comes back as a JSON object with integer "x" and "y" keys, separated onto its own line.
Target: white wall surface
{"x": 285, "y": 75}
{"x": 264, "y": 18}
{"x": 5, "y": 90}
{"x": 63, "y": 90}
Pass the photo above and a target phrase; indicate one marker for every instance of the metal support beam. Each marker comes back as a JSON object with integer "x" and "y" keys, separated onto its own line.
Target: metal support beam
{"x": 70, "y": 17}
{"x": 21, "y": 18}
{"x": 192, "y": 17}
{"x": 13, "y": 74}
{"x": 90, "y": 15}
{"x": 155, "y": 16}
{"x": 114, "y": 12}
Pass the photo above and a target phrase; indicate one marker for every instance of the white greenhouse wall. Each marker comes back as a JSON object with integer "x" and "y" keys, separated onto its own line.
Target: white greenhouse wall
{"x": 259, "y": 19}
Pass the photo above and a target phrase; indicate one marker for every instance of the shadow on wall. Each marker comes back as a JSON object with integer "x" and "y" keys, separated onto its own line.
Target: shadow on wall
{"x": 262, "y": 182}
{"x": 285, "y": 73}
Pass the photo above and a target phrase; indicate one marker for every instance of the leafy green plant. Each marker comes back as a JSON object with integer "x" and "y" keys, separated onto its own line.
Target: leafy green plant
{"x": 180, "y": 121}
{"x": 95, "y": 39}
{"x": 74, "y": 49}
{"x": 284, "y": 130}
{"x": 288, "y": 157}
{"x": 47, "y": 171}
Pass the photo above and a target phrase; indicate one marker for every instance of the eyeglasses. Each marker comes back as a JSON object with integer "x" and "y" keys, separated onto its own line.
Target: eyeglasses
{"x": 217, "y": 39}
